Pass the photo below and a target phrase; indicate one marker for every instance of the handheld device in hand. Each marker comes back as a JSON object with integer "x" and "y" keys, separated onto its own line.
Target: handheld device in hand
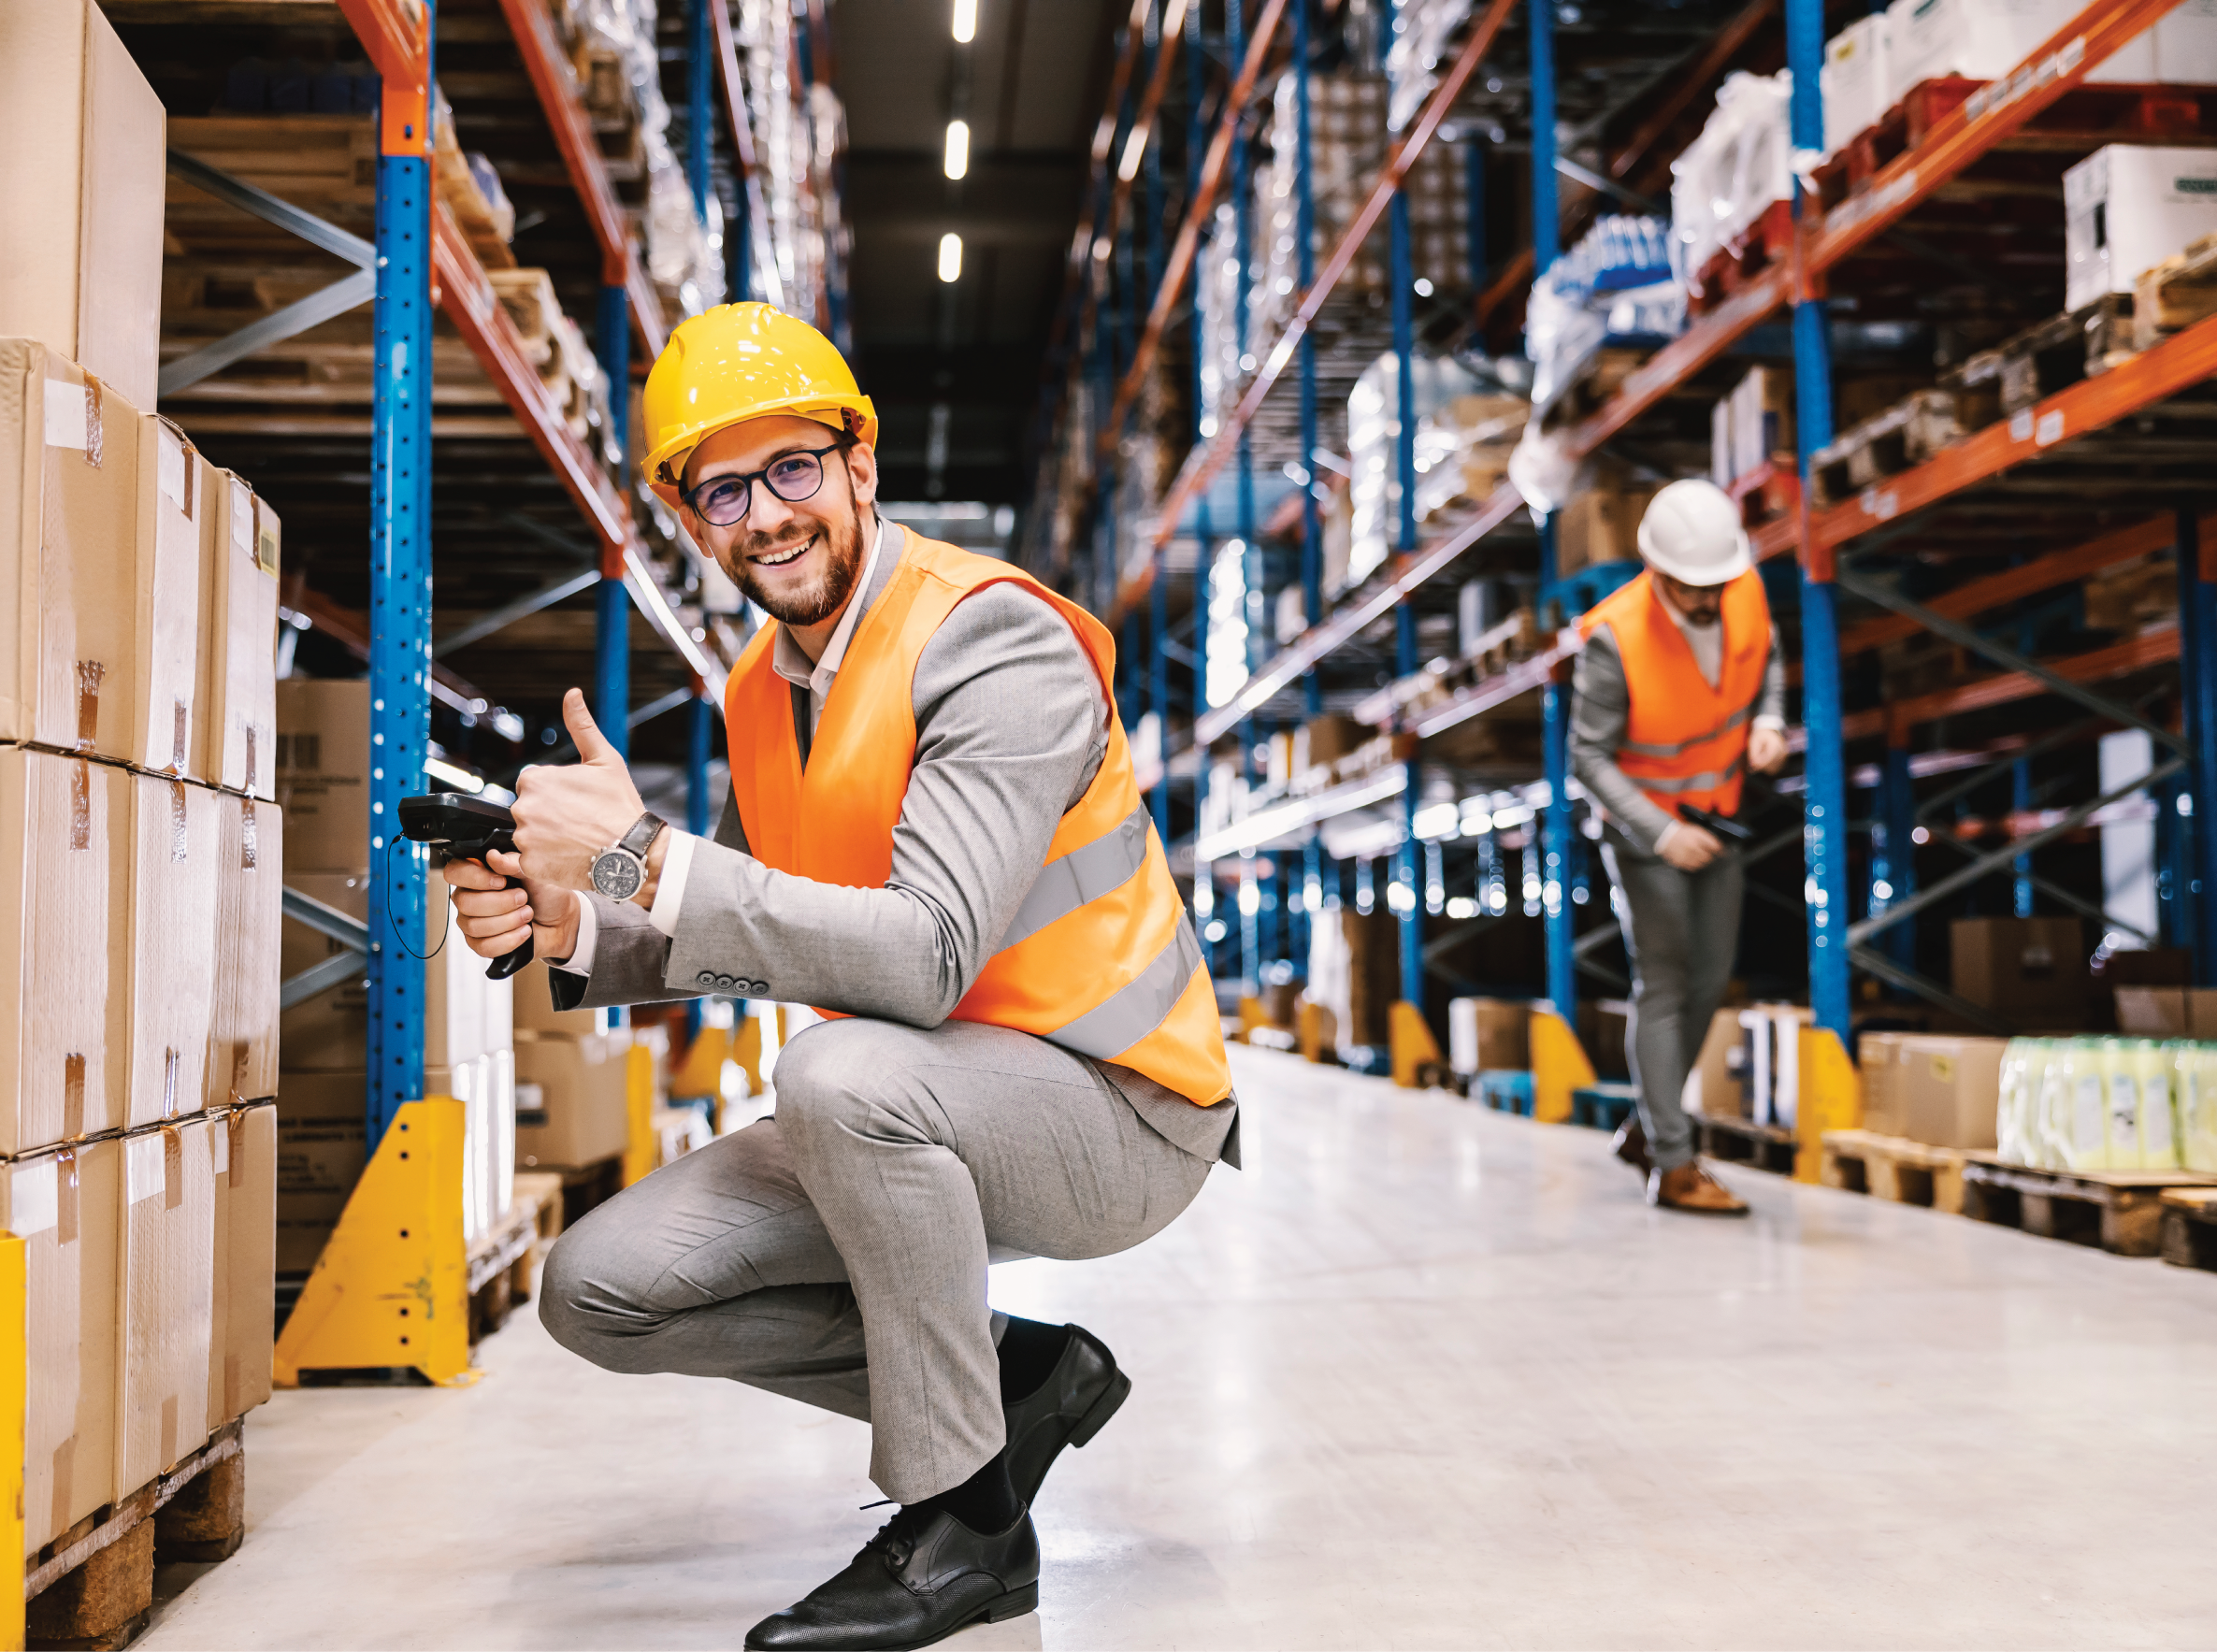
{"x": 468, "y": 828}
{"x": 1714, "y": 822}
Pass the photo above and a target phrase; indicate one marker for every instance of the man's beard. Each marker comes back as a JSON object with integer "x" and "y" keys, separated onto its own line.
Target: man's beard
{"x": 817, "y": 602}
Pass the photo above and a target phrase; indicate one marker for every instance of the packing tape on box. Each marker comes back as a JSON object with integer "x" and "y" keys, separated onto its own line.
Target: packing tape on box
{"x": 89, "y": 673}
{"x": 73, "y": 1094}
{"x": 80, "y": 805}
{"x": 246, "y": 813}
{"x": 181, "y": 837}
{"x": 73, "y": 417}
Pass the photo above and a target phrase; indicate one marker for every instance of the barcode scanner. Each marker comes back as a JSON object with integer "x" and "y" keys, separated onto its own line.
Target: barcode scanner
{"x": 468, "y": 828}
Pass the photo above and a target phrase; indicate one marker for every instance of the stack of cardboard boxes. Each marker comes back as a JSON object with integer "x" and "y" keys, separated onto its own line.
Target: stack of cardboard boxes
{"x": 322, "y": 771}
{"x": 141, "y": 854}
{"x": 573, "y": 1089}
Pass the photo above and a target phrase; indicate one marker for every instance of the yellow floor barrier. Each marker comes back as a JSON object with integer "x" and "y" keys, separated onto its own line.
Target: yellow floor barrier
{"x": 1410, "y": 1043}
{"x": 746, "y": 1049}
{"x": 1315, "y": 1031}
{"x": 1831, "y": 1098}
{"x": 701, "y": 1073}
{"x": 15, "y": 1352}
{"x": 640, "y": 1150}
{"x": 392, "y": 1286}
{"x": 1559, "y": 1066}
{"x": 1250, "y": 1016}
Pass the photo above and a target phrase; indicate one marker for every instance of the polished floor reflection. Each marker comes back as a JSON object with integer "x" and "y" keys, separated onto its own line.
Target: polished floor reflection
{"x": 1421, "y": 1376}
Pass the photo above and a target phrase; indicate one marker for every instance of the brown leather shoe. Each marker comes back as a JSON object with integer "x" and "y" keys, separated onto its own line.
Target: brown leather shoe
{"x": 1689, "y": 1187}
{"x": 1631, "y": 1145}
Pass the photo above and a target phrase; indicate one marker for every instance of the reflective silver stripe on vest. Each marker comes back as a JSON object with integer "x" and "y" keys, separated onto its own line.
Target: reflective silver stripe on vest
{"x": 1687, "y": 782}
{"x": 1641, "y": 749}
{"x": 1135, "y": 1010}
{"x": 1084, "y": 874}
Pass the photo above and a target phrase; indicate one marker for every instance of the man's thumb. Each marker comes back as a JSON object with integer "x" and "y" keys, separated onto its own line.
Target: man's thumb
{"x": 592, "y": 745}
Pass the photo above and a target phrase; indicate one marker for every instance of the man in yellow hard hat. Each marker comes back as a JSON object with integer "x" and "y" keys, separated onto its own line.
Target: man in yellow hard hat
{"x": 934, "y": 837}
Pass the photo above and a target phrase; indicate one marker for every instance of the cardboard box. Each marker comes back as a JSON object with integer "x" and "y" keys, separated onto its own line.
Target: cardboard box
{"x": 2033, "y": 969}
{"x": 242, "y": 1035}
{"x": 571, "y": 1098}
{"x": 320, "y": 1152}
{"x": 69, "y": 524}
{"x": 66, "y": 1205}
{"x": 466, "y": 1014}
{"x": 1882, "y": 1059}
{"x": 165, "y": 1300}
{"x": 2127, "y": 207}
{"x": 1488, "y": 1034}
{"x": 1601, "y": 523}
{"x": 1326, "y": 739}
{"x": 1950, "y": 1088}
{"x": 162, "y": 687}
{"x": 162, "y": 996}
{"x": 532, "y": 1007}
{"x": 63, "y": 1079}
{"x": 82, "y": 167}
{"x": 1857, "y": 80}
{"x": 1717, "y": 1087}
{"x": 2167, "y": 1011}
{"x": 1762, "y": 419}
{"x": 323, "y": 773}
{"x": 243, "y": 1298}
{"x": 239, "y": 554}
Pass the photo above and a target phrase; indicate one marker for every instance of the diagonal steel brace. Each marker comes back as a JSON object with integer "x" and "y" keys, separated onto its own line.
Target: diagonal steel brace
{"x": 1962, "y": 877}
{"x": 348, "y": 293}
{"x": 1955, "y": 631}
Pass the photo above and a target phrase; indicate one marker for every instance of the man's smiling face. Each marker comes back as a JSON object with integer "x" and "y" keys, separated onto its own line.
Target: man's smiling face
{"x": 797, "y": 561}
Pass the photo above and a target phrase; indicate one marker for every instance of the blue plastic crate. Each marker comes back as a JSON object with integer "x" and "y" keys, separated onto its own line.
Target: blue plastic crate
{"x": 1602, "y": 1106}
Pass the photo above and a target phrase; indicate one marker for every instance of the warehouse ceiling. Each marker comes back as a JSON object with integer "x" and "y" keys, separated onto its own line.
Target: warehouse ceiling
{"x": 1030, "y": 85}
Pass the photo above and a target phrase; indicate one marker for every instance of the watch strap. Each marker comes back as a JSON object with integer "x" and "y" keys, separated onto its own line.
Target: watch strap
{"x": 641, "y": 836}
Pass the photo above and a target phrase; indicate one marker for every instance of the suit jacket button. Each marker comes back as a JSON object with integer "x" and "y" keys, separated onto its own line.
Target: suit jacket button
{"x": 706, "y": 979}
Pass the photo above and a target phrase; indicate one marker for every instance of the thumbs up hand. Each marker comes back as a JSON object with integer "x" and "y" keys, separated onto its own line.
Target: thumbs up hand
{"x": 567, "y": 815}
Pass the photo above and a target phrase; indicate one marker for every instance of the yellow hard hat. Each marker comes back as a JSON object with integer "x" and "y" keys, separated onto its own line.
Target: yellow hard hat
{"x": 739, "y": 362}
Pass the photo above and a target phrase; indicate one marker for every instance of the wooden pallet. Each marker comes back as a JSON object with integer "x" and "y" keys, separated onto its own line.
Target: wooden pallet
{"x": 1893, "y": 1168}
{"x": 93, "y": 1586}
{"x": 2118, "y": 1211}
{"x": 1766, "y": 242}
{"x": 2175, "y": 295}
{"x": 2189, "y": 1228}
{"x": 1900, "y": 438}
{"x": 1742, "y": 1140}
{"x": 2028, "y": 366}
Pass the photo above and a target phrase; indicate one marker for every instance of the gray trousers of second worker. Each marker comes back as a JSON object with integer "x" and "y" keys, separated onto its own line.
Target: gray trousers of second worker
{"x": 836, "y": 1253}
{"x": 1683, "y": 932}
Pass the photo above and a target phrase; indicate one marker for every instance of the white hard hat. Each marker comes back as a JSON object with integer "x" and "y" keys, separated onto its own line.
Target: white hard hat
{"x": 1693, "y": 532}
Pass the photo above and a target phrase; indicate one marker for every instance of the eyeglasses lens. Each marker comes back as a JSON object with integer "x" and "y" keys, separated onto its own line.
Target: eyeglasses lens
{"x": 795, "y": 477}
{"x": 723, "y": 502}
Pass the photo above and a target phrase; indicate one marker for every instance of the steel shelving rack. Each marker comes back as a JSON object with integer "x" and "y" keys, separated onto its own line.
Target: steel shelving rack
{"x": 1822, "y": 541}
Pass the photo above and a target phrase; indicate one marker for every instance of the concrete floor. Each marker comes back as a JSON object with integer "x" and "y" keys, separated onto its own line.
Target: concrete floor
{"x": 1421, "y": 1376}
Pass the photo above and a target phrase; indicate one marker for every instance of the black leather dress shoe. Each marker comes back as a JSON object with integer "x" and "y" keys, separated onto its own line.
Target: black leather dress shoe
{"x": 1068, "y": 1409}
{"x": 922, "y": 1577}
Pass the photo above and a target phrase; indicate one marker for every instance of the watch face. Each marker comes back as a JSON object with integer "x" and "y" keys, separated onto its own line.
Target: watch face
{"x": 618, "y": 874}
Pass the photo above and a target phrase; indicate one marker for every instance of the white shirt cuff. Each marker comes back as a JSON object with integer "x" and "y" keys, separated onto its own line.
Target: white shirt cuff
{"x": 669, "y": 894}
{"x": 1776, "y": 722}
{"x": 579, "y": 961}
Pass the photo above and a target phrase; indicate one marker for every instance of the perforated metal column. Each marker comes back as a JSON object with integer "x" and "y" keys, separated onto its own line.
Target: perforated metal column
{"x": 400, "y": 604}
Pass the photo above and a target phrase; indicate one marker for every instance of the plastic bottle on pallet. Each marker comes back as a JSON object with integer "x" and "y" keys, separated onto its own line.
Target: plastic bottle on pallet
{"x": 2120, "y": 1085}
{"x": 2082, "y": 1135}
{"x": 2016, "y": 1135}
{"x": 2196, "y": 1067}
{"x": 2159, "y": 1104}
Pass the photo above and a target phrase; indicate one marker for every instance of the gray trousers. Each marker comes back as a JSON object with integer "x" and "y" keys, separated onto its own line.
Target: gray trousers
{"x": 836, "y": 1253}
{"x": 1683, "y": 932}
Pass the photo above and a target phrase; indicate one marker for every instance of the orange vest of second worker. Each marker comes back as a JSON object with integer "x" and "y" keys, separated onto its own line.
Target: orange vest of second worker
{"x": 1686, "y": 741}
{"x": 1100, "y": 957}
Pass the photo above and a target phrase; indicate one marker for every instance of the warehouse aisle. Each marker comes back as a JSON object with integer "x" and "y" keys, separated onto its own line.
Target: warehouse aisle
{"x": 1422, "y": 1376}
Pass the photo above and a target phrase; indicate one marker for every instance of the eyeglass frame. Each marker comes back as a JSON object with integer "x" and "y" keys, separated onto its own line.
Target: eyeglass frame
{"x": 687, "y": 495}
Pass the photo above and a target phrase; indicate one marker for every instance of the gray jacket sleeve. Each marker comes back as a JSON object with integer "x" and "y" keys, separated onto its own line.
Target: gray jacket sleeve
{"x": 630, "y": 955}
{"x": 1773, "y": 703}
{"x": 1011, "y": 726}
{"x": 1599, "y": 704}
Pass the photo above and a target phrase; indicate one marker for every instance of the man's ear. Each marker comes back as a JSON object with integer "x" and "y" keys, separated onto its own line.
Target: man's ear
{"x": 862, "y": 468}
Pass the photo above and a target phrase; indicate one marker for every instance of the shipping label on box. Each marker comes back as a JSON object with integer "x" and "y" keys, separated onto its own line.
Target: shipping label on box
{"x": 238, "y": 631}
{"x": 165, "y": 876}
{"x": 66, "y": 1206}
{"x": 1952, "y": 1089}
{"x": 68, "y": 525}
{"x": 242, "y": 1042}
{"x": 323, "y": 773}
{"x": 59, "y": 982}
{"x": 166, "y": 1304}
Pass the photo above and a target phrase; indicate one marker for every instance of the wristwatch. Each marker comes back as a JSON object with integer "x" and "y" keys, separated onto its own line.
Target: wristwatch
{"x": 619, "y": 869}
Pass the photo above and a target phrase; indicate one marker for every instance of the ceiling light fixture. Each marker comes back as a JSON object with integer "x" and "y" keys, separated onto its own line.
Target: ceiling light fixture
{"x": 957, "y": 148}
{"x": 966, "y": 21}
{"x": 950, "y": 257}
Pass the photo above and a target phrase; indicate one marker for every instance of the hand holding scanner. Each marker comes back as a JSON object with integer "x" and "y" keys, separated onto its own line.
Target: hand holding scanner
{"x": 468, "y": 828}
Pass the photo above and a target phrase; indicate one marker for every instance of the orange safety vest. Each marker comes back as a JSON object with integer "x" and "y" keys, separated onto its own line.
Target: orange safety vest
{"x": 1100, "y": 957}
{"x": 1685, "y": 741}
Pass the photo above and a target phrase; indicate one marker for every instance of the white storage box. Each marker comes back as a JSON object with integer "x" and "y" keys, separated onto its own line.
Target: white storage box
{"x": 1857, "y": 83}
{"x": 2127, "y": 207}
{"x": 1985, "y": 39}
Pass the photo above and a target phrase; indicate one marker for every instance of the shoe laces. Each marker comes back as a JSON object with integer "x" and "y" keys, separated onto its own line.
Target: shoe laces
{"x": 897, "y": 1538}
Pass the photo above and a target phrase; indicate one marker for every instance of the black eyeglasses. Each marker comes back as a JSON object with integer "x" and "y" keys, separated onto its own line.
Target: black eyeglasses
{"x": 724, "y": 500}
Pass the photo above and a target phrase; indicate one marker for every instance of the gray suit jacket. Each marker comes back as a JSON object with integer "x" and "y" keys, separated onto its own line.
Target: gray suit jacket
{"x": 1011, "y": 726}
